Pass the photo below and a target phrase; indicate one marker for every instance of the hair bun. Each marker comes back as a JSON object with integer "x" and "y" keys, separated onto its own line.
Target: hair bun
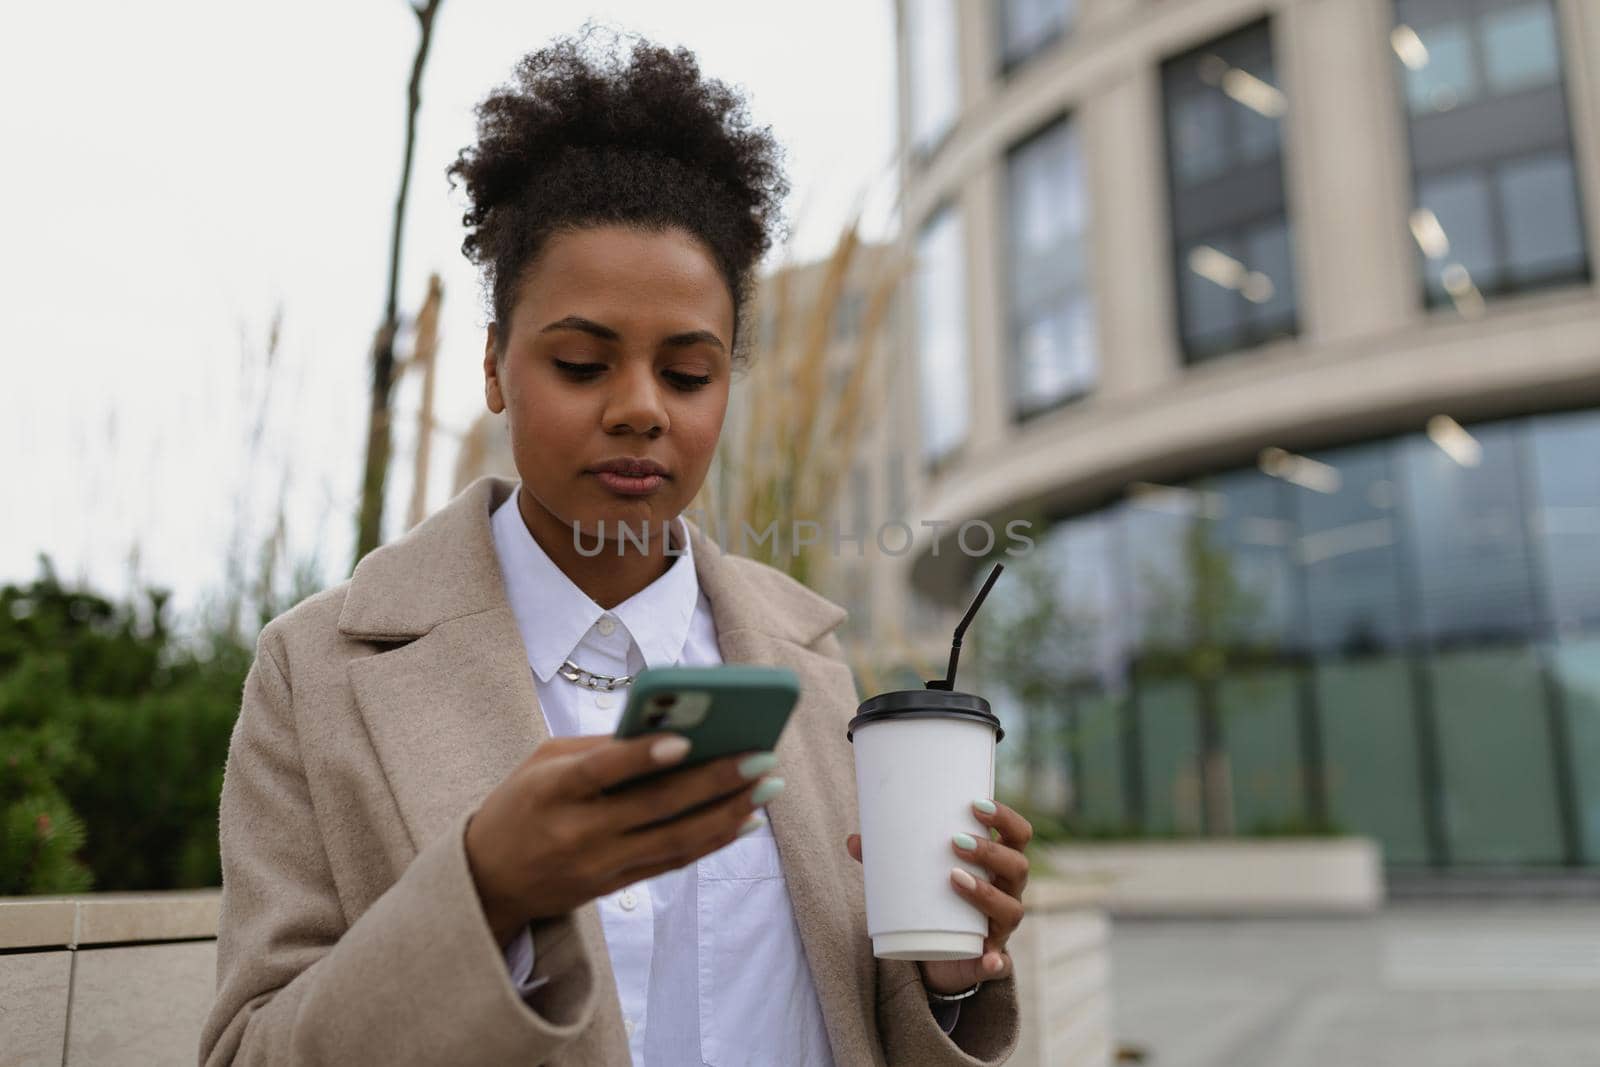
{"x": 581, "y": 135}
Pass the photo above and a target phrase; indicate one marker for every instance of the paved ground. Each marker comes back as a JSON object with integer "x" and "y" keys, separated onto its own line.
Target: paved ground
{"x": 1421, "y": 985}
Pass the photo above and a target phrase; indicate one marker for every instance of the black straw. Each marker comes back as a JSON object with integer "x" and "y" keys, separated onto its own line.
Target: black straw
{"x": 948, "y": 682}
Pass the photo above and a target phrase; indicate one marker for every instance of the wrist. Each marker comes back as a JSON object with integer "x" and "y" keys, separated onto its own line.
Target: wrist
{"x": 504, "y": 918}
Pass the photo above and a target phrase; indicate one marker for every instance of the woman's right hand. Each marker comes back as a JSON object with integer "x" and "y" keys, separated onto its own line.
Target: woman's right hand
{"x": 546, "y": 840}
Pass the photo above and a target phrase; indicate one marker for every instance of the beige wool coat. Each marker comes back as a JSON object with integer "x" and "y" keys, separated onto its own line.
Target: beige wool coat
{"x": 380, "y": 713}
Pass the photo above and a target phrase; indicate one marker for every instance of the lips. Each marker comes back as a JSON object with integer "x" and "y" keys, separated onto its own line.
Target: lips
{"x": 629, "y": 466}
{"x": 630, "y": 476}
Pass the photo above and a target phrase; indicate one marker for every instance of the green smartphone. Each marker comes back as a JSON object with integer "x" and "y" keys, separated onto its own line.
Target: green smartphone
{"x": 721, "y": 710}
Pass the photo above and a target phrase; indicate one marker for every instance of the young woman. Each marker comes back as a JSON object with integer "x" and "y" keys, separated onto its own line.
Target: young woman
{"x": 419, "y": 866}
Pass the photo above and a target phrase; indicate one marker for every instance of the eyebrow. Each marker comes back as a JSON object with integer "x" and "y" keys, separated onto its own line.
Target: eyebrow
{"x": 606, "y": 333}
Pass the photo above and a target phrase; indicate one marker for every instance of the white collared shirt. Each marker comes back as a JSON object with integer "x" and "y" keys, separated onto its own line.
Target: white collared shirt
{"x": 708, "y": 960}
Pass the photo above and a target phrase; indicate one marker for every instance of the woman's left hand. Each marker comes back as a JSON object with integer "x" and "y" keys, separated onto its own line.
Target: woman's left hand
{"x": 1000, "y": 898}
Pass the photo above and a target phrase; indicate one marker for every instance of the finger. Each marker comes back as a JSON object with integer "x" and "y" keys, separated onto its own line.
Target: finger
{"x": 554, "y": 748}
{"x": 612, "y": 762}
{"x": 1008, "y": 866}
{"x": 1003, "y": 909}
{"x": 687, "y": 839}
{"x": 852, "y": 845}
{"x": 995, "y": 965}
{"x": 647, "y": 871}
{"x": 1014, "y": 830}
{"x": 672, "y": 794}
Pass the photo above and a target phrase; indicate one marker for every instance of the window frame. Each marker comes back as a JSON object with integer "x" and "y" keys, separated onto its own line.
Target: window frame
{"x": 1248, "y": 336}
{"x": 1019, "y": 413}
{"x": 1490, "y": 166}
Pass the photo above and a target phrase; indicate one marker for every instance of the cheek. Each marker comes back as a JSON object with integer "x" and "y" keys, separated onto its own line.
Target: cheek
{"x": 699, "y": 430}
{"x": 543, "y": 421}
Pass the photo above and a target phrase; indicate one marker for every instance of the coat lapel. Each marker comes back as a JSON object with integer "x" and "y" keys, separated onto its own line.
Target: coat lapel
{"x": 447, "y": 736}
{"x": 453, "y": 709}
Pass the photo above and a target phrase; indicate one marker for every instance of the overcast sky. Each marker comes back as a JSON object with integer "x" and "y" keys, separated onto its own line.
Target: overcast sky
{"x": 174, "y": 171}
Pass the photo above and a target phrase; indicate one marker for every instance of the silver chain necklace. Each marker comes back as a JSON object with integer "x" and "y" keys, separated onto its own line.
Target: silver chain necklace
{"x": 603, "y": 683}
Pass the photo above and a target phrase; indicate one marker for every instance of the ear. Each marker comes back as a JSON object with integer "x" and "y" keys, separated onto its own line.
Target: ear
{"x": 493, "y": 394}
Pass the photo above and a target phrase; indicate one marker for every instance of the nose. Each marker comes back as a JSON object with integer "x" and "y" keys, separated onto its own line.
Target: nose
{"x": 635, "y": 404}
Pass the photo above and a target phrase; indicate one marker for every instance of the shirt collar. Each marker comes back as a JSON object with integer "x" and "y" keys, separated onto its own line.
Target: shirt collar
{"x": 553, "y": 614}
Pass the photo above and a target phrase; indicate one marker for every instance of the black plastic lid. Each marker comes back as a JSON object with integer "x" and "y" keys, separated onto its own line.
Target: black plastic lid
{"x": 924, "y": 704}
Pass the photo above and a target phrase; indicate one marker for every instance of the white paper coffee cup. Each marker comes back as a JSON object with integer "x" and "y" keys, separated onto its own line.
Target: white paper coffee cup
{"x": 922, "y": 758}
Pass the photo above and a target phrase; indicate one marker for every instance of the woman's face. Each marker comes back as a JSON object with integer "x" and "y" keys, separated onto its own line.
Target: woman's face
{"x": 619, "y": 347}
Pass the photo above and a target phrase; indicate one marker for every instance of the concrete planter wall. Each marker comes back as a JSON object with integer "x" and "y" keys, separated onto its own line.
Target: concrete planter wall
{"x": 1233, "y": 877}
{"x": 106, "y": 978}
{"x": 1062, "y": 957}
{"x": 121, "y": 979}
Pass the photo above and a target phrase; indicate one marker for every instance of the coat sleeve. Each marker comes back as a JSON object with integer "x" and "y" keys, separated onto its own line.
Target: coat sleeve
{"x": 417, "y": 978}
{"x": 985, "y": 1033}
{"x": 988, "y": 1026}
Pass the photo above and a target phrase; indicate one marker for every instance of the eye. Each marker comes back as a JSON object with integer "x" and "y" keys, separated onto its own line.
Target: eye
{"x": 688, "y": 382}
{"x": 581, "y": 371}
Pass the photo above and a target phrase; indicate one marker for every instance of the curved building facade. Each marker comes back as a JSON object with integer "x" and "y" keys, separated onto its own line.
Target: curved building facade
{"x": 1282, "y": 315}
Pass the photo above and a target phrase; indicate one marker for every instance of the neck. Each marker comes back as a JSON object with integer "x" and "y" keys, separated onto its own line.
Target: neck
{"x": 608, "y": 577}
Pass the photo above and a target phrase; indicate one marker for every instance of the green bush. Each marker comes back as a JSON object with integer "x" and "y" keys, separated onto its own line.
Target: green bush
{"x": 114, "y": 736}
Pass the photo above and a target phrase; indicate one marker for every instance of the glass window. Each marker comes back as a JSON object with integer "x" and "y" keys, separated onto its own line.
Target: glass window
{"x": 1577, "y": 669}
{"x": 1096, "y": 626}
{"x": 1232, "y": 241}
{"x": 1566, "y": 519}
{"x": 1026, "y": 26}
{"x": 1100, "y": 719}
{"x": 1544, "y": 236}
{"x": 1348, "y": 551}
{"x": 1371, "y": 766}
{"x": 1241, "y": 566}
{"x": 1497, "y": 207}
{"x": 1468, "y": 550}
{"x": 1159, "y": 526}
{"x": 1169, "y": 756}
{"x": 1445, "y": 591}
{"x": 1520, "y": 48}
{"x": 1495, "y": 757}
{"x": 1261, "y": 735}
{"x": 934, "y": 69}
{"x": 1051, "y": 309}
{"x": 1459, "y": 202}
{"x": 941, "y": 302}
{"x": 1445, "y": 76}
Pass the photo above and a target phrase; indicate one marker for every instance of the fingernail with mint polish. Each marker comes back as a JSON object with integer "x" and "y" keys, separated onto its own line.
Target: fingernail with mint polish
{"x": 756, "y": 765}
{"x": 751, "y": 825}
{"x": 985, "y": 806}
{"x": 766, "y": 791}
{"x": 965, "y": 842}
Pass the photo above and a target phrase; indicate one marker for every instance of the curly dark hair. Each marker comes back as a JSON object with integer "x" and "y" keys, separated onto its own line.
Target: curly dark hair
{"x": 577, "y": 141}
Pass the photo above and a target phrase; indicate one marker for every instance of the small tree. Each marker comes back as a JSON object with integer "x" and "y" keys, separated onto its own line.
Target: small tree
{"x": 1193, "y": 629}
{"x": 369, "y": 523}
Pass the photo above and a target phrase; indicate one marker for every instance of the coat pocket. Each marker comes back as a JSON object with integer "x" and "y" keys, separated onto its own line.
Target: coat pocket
{"x": 758, "y": 1005}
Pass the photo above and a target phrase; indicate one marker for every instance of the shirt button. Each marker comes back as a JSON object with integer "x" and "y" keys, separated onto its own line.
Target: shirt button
{"x": 628, "y": 900}
{"x": 606, "y": 626}
{"x": 604, "y": 700}
{"x": 627, "y": 1025}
